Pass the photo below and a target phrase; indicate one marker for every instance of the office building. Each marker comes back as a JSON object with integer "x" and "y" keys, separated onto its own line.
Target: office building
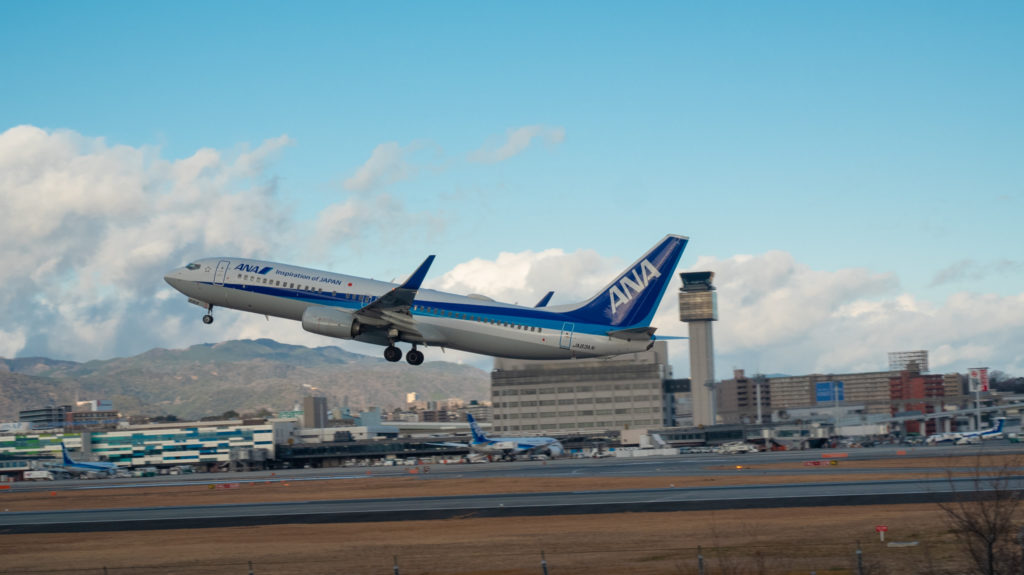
{"x": 581, "y": 396}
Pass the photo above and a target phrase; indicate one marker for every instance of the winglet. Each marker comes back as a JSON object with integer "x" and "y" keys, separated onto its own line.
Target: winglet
{"x": 544, "y": 300}
{"x": 416, "y": 279}
{"x": 400, "y": 298}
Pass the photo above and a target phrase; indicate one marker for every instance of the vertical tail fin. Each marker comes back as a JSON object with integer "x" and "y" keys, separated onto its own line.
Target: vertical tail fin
{"x": 478, "y": 435}
{"x": 67, "y": 457}
{"x": 633, "y": 297}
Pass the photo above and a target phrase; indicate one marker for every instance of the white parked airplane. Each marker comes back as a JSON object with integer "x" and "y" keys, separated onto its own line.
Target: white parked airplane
{"x": 614, "y": 321}
{"x": 964, "y": 437}
{"x": 85, "y": 467}
{"x": 508, "y": 447}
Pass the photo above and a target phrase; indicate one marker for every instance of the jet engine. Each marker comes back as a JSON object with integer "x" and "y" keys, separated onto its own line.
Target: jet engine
{"x": 331, "y": 322}
{"x": 556, "y": 450}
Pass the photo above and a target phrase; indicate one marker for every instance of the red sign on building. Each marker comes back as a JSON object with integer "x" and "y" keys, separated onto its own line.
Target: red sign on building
{"x": 979, "y": 379}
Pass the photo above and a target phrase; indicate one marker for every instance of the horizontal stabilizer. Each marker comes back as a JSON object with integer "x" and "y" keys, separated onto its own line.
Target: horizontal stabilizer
{"x": 636, "y": 333}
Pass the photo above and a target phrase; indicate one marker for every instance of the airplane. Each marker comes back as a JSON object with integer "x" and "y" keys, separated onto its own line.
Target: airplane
{"x": 615, "y": 321}
{"x": 508, "y": 447}
{"x": 85, "y": 467}
{"x": 966, "y": 437}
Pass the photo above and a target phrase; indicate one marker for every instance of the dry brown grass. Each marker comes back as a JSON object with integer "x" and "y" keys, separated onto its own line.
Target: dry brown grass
{"x": 744, "y": 541}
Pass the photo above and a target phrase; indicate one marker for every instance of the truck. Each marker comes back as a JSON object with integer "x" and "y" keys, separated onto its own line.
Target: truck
{"x": 38, "y": 475}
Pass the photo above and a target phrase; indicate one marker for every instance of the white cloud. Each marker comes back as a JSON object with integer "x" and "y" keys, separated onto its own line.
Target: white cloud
{"x": 779, "y": 316}
{"x": 516, "y": 140}
{"x": 972, "y": 271}
{"x": 11, "y": 342}
{"x": 88, "y": 230}
{"x": 385, "y": 166}
{"x": 525, "y": 277}
{"x": 390, "y": 163}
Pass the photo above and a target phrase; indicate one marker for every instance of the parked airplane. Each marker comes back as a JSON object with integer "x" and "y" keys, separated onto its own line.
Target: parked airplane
{"x": 508, "y": 447}
{"x": 964, "y": 437}
{"x": 614, "y": 321}
{"x": 85, "y": 467}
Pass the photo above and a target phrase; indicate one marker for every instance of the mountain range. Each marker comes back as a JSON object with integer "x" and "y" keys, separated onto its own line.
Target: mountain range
{"x": 242, "y": 375}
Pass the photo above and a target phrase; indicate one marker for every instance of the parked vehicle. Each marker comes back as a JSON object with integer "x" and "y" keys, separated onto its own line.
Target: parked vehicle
{"x": 39, "y": 475}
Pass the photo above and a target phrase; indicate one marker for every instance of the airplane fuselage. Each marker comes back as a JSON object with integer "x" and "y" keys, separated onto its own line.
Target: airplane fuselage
{"x": 468, "y": 323}
{"x": 512, "y": 446}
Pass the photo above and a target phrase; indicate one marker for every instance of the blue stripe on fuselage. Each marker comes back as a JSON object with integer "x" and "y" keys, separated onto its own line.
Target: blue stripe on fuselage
{"x": 529, "y": 317}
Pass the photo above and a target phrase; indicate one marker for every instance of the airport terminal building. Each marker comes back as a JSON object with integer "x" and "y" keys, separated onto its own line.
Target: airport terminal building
{"x": 586, "y": 396}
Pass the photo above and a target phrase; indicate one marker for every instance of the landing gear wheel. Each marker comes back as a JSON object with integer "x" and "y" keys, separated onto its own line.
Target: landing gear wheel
{"x": 207, "y": 319}
{"x": 392, "y": 353}
{"x": 414, "y": 357}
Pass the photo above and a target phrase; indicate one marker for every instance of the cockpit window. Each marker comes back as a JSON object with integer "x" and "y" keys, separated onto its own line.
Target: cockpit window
{"x": 192, "y": 267}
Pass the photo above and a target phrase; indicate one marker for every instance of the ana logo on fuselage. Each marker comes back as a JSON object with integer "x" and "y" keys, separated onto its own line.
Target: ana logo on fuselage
{"x": 253, "y": 269}
{"x": 632, "y": 284}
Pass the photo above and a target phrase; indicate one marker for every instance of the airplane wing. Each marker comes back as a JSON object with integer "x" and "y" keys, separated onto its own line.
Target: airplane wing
{"x": 448, "y": 444}
{"x": 534, "y": 447}
{"x": 392, "y": 308}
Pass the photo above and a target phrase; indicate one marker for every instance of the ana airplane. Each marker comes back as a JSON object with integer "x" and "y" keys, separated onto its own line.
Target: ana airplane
{"x": 614, "y": 321}
{"x": 84, "y": 467}
{"x": 508, "y": 447}
{"x": 964, "y": 437}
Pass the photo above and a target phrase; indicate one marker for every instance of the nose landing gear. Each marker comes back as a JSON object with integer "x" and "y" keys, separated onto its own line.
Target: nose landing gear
{"x": 208, "y": 318}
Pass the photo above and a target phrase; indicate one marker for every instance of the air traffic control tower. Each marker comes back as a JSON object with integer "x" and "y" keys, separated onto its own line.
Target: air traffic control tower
{"x": 698, "y": 307}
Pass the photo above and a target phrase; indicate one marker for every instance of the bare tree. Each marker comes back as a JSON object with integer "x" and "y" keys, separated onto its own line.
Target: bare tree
{"x": 982, "y": 519}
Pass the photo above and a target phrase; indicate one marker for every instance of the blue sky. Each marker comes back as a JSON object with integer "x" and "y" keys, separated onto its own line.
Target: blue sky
{"x": 878, "y": 139}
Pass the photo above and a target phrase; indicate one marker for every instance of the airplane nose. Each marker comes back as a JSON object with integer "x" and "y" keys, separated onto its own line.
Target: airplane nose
{"x": 173, "y": 278}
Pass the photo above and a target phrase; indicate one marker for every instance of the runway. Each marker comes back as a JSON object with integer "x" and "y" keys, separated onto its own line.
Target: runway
{"x": 526, "y": 504}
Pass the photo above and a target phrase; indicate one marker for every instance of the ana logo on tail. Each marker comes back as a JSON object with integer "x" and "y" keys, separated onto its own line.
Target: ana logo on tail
{"x": 478, "y": 434}
{"x": 631, "y": 286}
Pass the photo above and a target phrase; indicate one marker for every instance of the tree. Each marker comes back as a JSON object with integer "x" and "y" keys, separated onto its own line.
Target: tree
{"x": 983, "y": 518}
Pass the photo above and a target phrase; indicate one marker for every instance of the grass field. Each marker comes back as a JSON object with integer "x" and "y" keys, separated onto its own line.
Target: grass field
{"x": 822, "y": 540}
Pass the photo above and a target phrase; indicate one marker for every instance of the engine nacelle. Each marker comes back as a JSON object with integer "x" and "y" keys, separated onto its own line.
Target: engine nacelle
{"x": 556, "y": 450}
{"x": 330, "y": 322}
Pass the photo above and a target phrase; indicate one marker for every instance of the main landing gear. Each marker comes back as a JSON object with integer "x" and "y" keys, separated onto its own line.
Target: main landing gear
{"x": 208, "y": 318}
{"x": 413, "y": 356}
